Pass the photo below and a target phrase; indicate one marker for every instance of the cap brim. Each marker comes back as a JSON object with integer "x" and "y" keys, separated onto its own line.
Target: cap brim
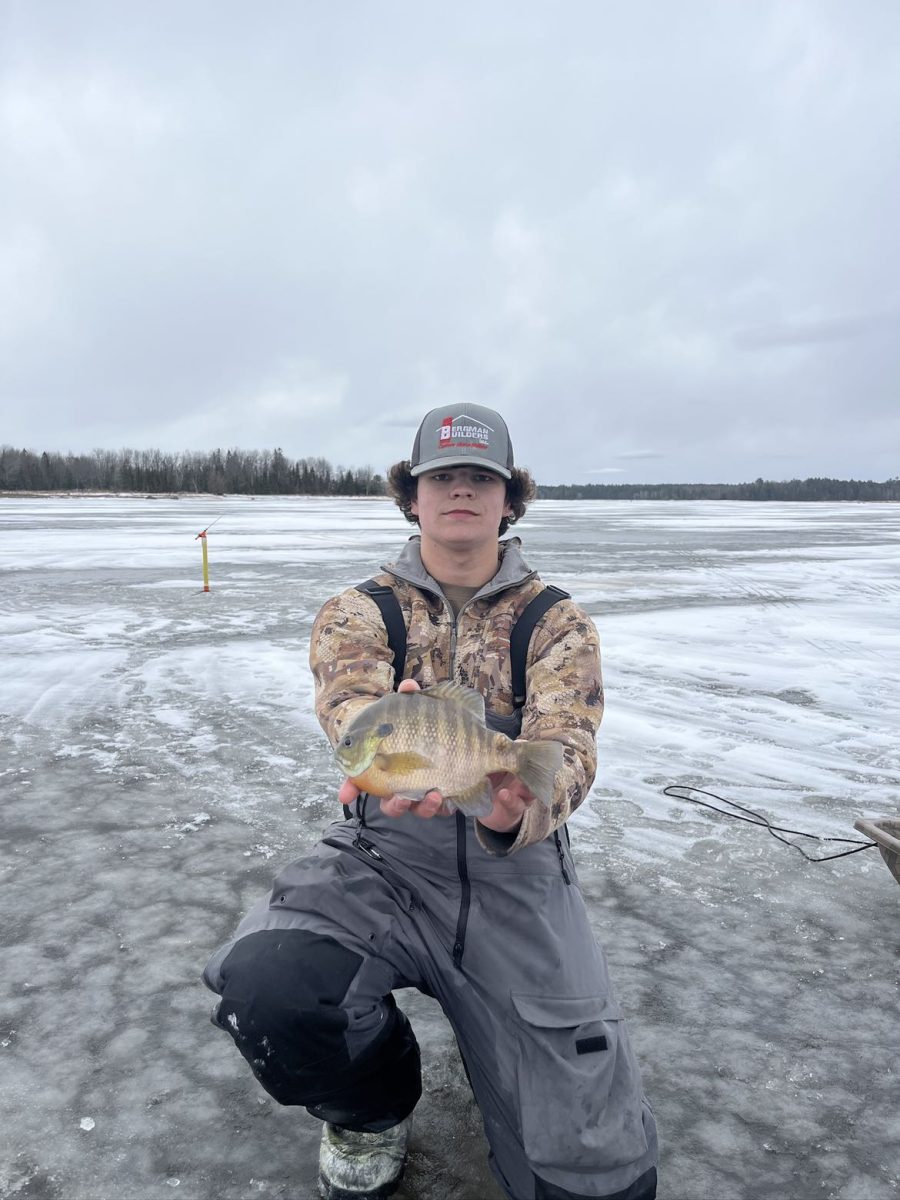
{"x": 460, "y": 460}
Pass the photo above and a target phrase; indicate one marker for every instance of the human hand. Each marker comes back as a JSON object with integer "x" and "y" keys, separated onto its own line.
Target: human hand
{"x": 510, "y": 795}
{"x": 511, "y": 800}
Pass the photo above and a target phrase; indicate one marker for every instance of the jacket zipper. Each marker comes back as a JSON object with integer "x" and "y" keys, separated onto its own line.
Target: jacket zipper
{"x": 465, "y": 890}
{"x": 462, "y": 865}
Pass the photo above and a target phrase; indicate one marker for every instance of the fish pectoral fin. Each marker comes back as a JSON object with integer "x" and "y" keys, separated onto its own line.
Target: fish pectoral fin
{"x": 477, "y": 801}
{"x": 402, "y": 761}
{"x": 456, "y": 693}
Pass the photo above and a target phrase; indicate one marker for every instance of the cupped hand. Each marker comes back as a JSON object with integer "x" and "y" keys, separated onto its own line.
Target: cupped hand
{"x": 511, "y": 800}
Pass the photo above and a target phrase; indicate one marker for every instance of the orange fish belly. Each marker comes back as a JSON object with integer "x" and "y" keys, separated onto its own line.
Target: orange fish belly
{"x": 374, "y": 782}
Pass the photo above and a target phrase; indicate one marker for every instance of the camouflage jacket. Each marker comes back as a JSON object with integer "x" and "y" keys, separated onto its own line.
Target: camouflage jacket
{"x": 352, "y": 667}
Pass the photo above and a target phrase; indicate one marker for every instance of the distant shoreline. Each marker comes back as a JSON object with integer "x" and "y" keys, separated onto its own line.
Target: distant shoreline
{"x": 648, "y": 492}
{"x": 152, "y": 474}
{"x": 94, "y": 494}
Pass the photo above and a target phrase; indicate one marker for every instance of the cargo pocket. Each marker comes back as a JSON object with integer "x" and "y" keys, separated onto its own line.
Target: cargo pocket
{"x": 579, "y": 1085}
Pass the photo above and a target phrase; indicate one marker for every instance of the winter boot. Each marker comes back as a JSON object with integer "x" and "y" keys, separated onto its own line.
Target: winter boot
{"x": 361, "y": 1166}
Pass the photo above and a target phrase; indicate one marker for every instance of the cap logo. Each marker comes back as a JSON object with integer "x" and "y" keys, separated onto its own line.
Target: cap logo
{"x": 463, "y": 431}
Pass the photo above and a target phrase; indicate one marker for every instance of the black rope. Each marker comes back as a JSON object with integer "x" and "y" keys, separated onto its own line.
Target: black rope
{"x": 674, "y": 789}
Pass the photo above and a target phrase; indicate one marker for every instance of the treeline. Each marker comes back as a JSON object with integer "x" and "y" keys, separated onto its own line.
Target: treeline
{"x": 759, "y": 489}
{"x": 270, "y": 472}
{"x": 239, "y": 472}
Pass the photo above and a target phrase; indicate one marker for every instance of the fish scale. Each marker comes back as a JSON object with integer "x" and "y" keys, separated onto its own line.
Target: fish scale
{"x": 465, "y": 749}
{"x": 409, "y": 743}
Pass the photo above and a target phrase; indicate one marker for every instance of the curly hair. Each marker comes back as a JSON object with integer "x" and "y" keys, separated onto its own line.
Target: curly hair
{"x": 520, "y": 491}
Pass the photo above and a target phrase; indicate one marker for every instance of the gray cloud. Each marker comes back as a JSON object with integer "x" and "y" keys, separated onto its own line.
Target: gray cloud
{"x": 805, "y": 333}
{"x": 308, "y": 227}
{"x": 640, "y": 454}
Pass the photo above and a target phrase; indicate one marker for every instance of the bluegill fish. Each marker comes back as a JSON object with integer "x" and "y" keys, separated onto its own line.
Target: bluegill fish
{"x": 408, "y": 743}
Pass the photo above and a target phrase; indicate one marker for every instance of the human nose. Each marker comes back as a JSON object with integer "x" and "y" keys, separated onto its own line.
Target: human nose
{"x": 462, "y": 486}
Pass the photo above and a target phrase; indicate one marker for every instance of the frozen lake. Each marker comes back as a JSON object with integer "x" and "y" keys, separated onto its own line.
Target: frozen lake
{"x": 159, "y": 760}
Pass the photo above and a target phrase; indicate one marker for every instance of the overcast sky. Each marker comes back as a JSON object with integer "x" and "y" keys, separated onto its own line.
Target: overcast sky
{"x": 662, "y": 238}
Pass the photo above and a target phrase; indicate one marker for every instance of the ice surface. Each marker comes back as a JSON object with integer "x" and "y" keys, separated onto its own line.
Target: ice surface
{"x": 160, "y": 759}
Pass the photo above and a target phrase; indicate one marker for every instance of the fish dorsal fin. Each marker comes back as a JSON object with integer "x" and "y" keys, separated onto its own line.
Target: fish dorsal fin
{"x": 456, "y": 693}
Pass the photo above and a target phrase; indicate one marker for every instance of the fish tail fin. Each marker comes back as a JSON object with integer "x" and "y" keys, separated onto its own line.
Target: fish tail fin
{"x": 536, "y": 765}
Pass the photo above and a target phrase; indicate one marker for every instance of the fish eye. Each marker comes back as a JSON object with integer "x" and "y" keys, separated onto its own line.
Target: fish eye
{"x": 348, "y": 741}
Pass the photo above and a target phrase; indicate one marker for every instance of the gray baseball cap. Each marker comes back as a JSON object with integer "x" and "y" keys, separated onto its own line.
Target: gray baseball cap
{"x": 462, "y": 435}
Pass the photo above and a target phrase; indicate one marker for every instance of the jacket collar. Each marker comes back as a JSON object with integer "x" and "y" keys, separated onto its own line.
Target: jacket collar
{"x": 513, "y": 568}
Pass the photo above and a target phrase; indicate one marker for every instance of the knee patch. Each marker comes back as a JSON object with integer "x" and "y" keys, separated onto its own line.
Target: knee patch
{"x": 282, "y": 1000}
{"x": 282, "y": 990}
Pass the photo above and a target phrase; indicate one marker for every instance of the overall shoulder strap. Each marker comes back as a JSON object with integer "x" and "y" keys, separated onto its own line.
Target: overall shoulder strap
{"x": 519, "y": 640}
{"x": 520, "y": 636}
{"x": 392, "y": 615}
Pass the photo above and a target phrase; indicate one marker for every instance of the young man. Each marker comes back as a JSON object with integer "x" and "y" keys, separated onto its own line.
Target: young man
{"x": 483, "y": 914}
